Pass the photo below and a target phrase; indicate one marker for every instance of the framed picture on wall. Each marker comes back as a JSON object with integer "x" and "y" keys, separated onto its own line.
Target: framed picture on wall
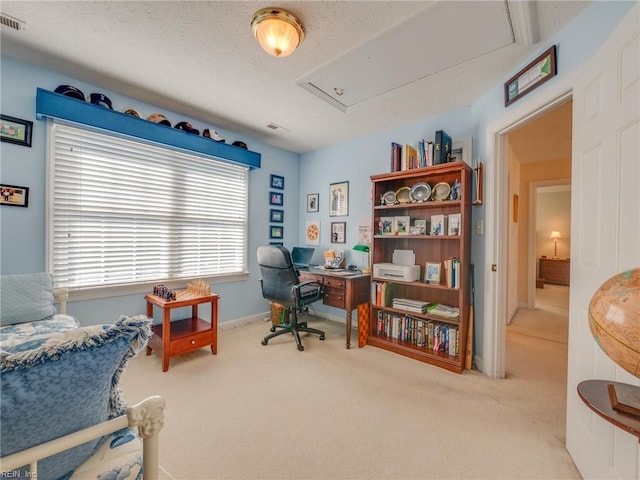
{"x": 15, "y": 130}
{"x": 276, "y": 231}
{"x": 312, "y": 202}
{"x": 339, "y": 199}
{"x": 276, "y": 198}
{"x": 338, "y": 232}
{"x": 277, "y": 182}
{"x": 14, "y": 195}
{"x": 276, "y": 216}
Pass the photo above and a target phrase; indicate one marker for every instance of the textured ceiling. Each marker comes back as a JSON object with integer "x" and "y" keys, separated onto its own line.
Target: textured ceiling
{"x": 200, "y": 59}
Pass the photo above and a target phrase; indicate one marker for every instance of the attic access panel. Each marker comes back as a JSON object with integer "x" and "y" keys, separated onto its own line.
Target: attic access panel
{"x": 439, "y": 37}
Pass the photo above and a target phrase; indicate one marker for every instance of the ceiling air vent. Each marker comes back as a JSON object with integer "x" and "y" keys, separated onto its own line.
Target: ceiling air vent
{"x": 275, "y": 126}
{"x": 9, "y": 21}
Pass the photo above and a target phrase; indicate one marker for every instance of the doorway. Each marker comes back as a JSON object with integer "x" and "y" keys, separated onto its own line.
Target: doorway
{"x": 537, "y": 311}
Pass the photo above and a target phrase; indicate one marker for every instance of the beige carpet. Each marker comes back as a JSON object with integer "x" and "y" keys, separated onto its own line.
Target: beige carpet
{"x": 271, "y": 412}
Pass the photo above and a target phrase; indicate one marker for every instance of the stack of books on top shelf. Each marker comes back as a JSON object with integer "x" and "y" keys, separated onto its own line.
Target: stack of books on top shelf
{"x": 444, "y": 311}
{"x": 417, "y": 306}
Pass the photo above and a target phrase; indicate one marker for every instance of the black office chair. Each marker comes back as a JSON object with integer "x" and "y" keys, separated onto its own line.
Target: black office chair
{"x": 280, "y": 284}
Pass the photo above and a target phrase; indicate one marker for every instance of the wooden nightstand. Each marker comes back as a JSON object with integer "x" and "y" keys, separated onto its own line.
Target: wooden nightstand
{"x": 181, "y": 336}
{"x": 555, "y": 270}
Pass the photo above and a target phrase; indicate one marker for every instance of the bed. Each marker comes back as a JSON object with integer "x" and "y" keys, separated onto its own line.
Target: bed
{"x": 61, "y": 409}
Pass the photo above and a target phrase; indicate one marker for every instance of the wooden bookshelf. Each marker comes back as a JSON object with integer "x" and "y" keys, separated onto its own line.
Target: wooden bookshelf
{"x": 427, "y": 248}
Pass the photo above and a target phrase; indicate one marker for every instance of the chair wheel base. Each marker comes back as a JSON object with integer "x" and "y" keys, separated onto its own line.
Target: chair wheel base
{"x": 300, "y": 348}
{"x": 321, "y": 337}
{"x": 264, "y": 342}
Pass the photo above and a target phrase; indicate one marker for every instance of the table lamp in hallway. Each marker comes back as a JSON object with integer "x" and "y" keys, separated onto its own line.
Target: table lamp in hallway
{"x": 555, "y": 235}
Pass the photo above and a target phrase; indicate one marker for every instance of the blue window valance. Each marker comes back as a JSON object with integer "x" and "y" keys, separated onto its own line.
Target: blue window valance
{"x": 55, "y": 105}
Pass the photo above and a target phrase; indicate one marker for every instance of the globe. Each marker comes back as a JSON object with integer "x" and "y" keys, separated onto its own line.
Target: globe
{"x": 614, "y": 319}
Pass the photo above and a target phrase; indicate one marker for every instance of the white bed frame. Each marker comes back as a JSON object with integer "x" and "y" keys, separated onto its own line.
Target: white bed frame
{"x": 147, "y": 416}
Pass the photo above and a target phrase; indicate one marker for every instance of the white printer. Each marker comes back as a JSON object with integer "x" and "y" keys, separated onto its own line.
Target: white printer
{"x": 401, "y": 269}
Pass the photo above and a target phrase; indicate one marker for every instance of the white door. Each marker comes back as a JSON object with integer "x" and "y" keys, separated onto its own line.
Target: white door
{"x": 605, "y": 227}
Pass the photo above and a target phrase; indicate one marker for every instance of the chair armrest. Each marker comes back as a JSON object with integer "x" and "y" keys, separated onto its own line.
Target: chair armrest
{"x": 299, "y": 298}
{"x": 61, "y": 295}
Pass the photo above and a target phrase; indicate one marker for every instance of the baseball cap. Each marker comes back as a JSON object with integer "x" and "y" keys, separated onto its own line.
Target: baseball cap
{"x": 240, "y": 144}
{"x": 101, "y": 99}
{"x": 131, "y": 111}
{"x": 187, "y": 127}
{"x": 70, "y": 91}
{"x": 213, "y": 135}
{"x": 159, "y": 118}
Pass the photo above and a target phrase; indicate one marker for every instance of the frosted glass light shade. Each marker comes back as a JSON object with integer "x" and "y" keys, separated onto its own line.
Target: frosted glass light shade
{"x": 277, "y": 31}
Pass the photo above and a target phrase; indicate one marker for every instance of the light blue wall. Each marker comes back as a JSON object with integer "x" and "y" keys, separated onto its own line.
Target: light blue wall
{"x": 22, "y": 242}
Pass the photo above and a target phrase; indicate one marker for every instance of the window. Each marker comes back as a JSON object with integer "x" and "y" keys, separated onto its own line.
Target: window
{"x": 125, "y": 212}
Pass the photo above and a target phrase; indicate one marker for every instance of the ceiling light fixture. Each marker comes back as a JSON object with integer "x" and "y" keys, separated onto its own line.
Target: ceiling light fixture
{"x": 277, "y": 31}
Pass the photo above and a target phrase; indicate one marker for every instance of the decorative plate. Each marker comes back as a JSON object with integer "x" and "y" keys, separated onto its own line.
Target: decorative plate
{"x": 421, "y": 192}
{"x": 403, "y": 195}
{"x": 441, "y": 191}
{"x": 389, "y": 198}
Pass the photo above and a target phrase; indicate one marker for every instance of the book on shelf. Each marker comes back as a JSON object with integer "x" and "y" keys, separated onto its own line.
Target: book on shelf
{"x": 381, "y": 293}
{"x": 424, "y": 333}
{"x": 451, "y": 268}
{"x": 396, "y": 153}
{"x": 417, "y": 306}
{"x": 445, "y": 311}
{"x": 409, "y": 157}
{"x": 441, "y": 147}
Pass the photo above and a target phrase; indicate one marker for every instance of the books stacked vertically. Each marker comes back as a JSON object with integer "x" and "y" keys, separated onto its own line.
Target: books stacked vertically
{"x": 409, "y": 158}
{"x": 444, "y": 311}
{"x": 439, "y": 337}
{"x": 381, "y": 293}
{"x": 441, "y": 147}
{"x": 452, "y": 272}
{"x": 425, "y": 153}
{"x": 417, "y": 306}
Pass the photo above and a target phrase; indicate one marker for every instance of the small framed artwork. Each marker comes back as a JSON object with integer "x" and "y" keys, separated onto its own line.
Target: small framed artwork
{"x": 15, "y": 130}
{"x": 14, "y": 196}
{"x": 453, "y": 225}
{"x": 276, "y": 216}
{"x": 312, "y": 233}
{"x": 276, "y": 231}
{"x": 401, "y": 225}
{"x": 421, "y": 226}
{"x": 338, "y": 232}
{"x": 276, "y": 198}
{"x": 339, "y": 199}
{"x": 386, "y": 225}
{"x": 432, "y": 273}
{"x": 277, "y": 182}
{"x": 438, "y": 225}
{"x": 312, "y": 202}
{"x": 532, "y": 76}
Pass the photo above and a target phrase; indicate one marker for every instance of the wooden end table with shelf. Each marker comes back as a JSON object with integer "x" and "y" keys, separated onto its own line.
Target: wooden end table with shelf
{"x": 181, "y": 336}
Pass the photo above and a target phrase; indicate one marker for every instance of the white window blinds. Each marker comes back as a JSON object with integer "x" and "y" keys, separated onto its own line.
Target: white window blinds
{"x": 128, "y": 212}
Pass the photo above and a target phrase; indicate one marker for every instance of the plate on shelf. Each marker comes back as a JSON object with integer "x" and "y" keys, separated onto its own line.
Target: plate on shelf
{"x": 403, "y": 195}
{"x": 389, "y": 198}
{"x": 441, "y": 191}
{"x": 420, "y": 192}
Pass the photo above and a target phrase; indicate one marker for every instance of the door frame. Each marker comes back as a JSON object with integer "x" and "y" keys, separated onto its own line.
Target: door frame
{"x": 531, "y": 233}
{"x": 493, "y": 363}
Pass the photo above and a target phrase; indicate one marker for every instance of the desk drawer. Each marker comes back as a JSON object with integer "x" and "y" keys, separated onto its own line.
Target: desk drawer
{"x": 334, "y": 297}
{"x": 332, "y": 282}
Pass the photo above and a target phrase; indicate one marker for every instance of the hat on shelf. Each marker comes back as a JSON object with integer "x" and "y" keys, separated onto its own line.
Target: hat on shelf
{"x": 101, "y": 100}
{"x": 70, "y": 91}
{"x": 131, "y": 111}
{"x": 187, "y": 127}
{"x": 213, "y": 135}
{"x": 159, "y": 118}
{"x": 240, "y": 144}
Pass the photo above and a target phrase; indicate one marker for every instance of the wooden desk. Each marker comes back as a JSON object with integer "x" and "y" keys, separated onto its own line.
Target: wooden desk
{"x": 181, "y": 336}
{"x": 555, "y": 270}
{"x": 346, "y": 292}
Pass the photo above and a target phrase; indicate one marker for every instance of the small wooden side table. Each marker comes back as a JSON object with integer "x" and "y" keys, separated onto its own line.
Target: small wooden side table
{"x": 181, "y": 336}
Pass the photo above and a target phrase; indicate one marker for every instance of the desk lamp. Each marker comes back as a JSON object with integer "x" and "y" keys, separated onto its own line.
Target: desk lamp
{"x": 365, "y": 249}
{"x": 555, "y": 235}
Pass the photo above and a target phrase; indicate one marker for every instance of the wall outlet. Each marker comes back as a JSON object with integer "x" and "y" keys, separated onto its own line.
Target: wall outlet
{"x": 480, "y": 227}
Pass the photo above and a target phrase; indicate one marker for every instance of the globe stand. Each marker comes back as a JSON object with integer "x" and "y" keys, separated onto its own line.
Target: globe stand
{"x": 625, "y": 398}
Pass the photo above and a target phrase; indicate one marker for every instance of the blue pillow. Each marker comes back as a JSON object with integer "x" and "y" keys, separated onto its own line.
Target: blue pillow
{"x": 26, "y": 298}
{"x": 67, "y": 383}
